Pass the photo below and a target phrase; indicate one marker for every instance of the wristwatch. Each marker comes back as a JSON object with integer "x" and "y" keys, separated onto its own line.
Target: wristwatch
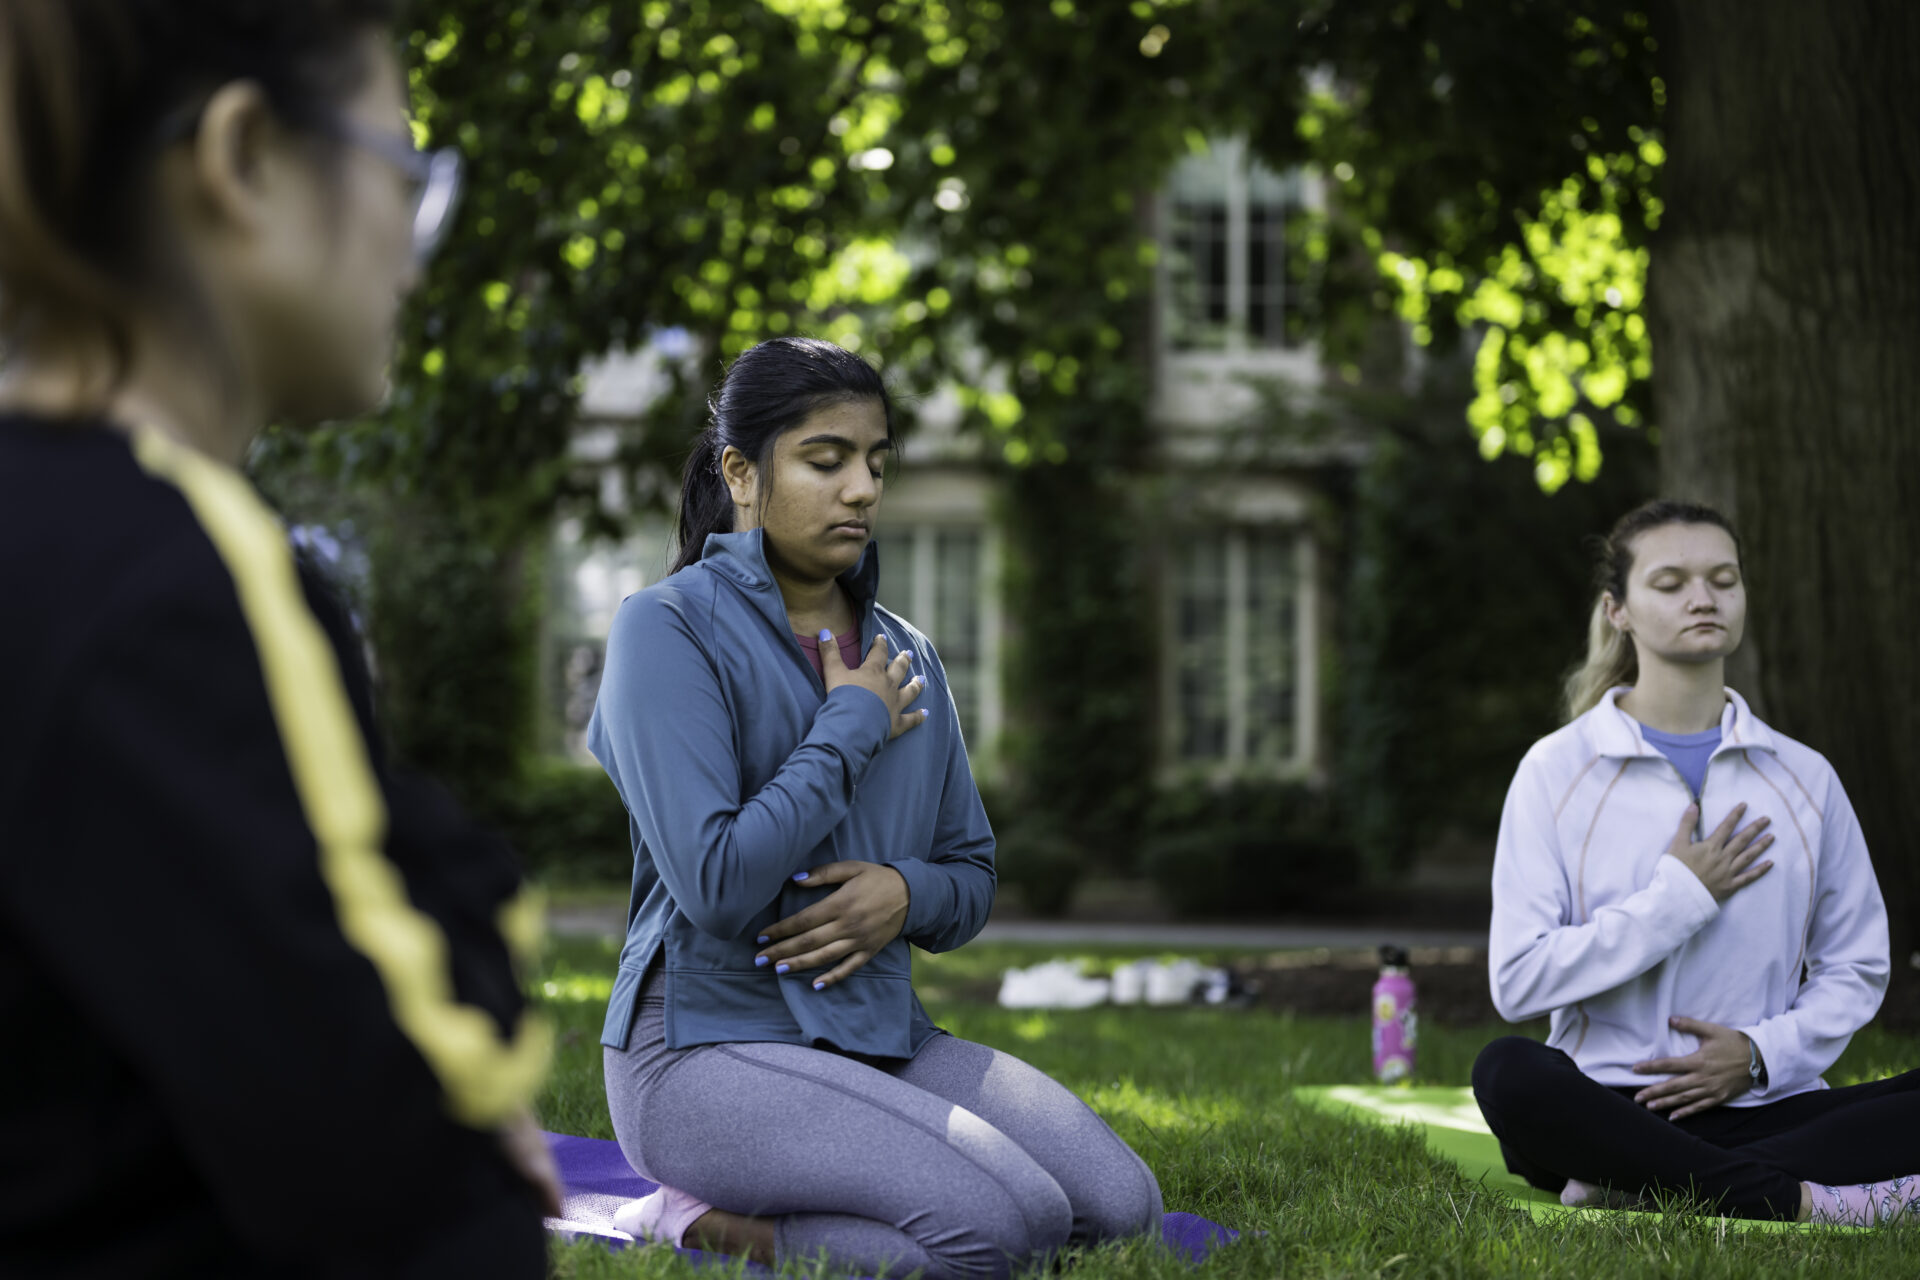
{"x": 1756, "y": 1069}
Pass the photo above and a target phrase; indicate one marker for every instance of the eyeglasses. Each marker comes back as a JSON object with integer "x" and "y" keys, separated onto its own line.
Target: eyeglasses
{"x": 434, "y": 179}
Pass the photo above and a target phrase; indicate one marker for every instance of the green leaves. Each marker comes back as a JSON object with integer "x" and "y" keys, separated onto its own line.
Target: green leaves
{"x": 1498, "y": 169}
{"x": 1560, "y": 311}
{"x": 955, "y": 188}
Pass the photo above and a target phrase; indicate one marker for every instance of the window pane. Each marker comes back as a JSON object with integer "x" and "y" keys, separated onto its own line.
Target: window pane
{"x": 955, "y": 629}
{"x": 1273, "y": 602}
{"x": 1200, "y": 623}
{"x": 1197, "y": 274}
{"x": 1280, "y": 277}
{"x": 1267, "y": 274}
{"x": 1202, "y": 177}
{"x": 1215, "y": 260}
{"x": 896, "y": 571}
{"x": 954, "y": 619}
{"x": 1264, "y": 186}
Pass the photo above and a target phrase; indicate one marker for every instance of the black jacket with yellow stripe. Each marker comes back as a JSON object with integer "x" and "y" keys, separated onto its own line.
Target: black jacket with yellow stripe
{"x": 257, "y": 1012}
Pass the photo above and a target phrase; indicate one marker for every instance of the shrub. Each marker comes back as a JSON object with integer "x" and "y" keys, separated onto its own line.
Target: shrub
{"x": 567, "y": 823}
{"x": 1467, "y": 601}
{"x": 1037, "y": 857}
{"x": 452, "y": 620}
{"x": 1249, "y": 848}
{"x": 1079, "y": 667}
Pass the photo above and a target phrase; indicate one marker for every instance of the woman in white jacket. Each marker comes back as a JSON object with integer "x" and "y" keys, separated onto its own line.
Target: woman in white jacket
{"x": 1687, "y": 893}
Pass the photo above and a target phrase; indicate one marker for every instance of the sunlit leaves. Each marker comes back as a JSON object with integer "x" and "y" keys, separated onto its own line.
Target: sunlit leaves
{"x": 810, "y": 15}
{"x": 1560, "y": 311}
{"x": 1511, "y": 209}
{"x": 602, "y": 105}
{"x": 868, "y": 272}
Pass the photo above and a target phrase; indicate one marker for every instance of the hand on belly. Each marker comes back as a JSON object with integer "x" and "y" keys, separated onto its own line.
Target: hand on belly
{"x": 1714, "y": 1073}
{"x": 848, "y": 926}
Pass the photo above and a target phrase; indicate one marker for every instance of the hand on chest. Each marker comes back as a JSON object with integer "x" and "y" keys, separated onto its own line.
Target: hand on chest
{"x": 776, "y": 705}
{"x": 1612, "y": 845}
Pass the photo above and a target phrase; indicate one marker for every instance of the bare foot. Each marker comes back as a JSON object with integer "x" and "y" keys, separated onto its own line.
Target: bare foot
{"x": 1585, "y": 1195}
{"x": 717, "y": 1231}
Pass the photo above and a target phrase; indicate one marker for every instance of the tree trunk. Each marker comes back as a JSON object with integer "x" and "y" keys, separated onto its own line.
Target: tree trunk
{"x": 1785, "y": 310}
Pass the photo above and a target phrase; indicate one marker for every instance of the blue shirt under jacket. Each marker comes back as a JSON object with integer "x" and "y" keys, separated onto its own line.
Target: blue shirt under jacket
{"x": 738, "y": 769}
{"x": 1689, "y": 752}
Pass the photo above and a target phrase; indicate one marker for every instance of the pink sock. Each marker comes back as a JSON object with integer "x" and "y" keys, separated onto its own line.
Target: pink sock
{"x": 663, "y": 1216}
{"x": 1866, "y": 1204}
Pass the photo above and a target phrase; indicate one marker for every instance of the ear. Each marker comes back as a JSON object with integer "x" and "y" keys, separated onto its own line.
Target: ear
{"x": 230, "y": 155}
{"x": 742, "y": 477}
{"x": 1616, "y": 612}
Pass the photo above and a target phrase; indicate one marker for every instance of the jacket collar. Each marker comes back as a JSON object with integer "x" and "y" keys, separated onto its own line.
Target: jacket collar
{"x": 1615, "y": 733}
{"x": 741, "y": 558}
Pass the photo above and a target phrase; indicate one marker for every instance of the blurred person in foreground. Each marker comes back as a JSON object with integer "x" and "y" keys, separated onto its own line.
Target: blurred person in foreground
{"x": 261, "y": 1016}
{"x": 803, "y": 811}
{"x": 1687, "y": 893}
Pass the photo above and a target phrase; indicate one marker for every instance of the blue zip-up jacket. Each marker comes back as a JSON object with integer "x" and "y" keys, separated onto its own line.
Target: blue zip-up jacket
{"x": 739, "y": 769}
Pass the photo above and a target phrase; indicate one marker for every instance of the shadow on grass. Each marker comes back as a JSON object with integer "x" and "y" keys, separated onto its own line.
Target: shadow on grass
{"x": 1205, "y": 1096}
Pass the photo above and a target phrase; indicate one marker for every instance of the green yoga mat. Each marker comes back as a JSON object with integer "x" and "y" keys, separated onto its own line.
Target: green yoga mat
{"x": 1455, "y": 1131}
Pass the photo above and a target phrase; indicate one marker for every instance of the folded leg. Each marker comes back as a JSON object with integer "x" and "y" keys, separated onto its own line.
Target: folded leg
{"x": 1556, "y": 1123}
{"x": 877, "y": 1174}
{"x": 1860, "y": 1133}
{"x": 1112, "y": 1192}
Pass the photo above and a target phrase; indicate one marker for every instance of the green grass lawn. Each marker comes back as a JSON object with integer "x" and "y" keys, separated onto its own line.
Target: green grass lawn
{"x": 1203, "y": 1095}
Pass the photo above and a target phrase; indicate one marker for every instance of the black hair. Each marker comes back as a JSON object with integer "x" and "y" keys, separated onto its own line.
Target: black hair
{"x": 770, "y": 389}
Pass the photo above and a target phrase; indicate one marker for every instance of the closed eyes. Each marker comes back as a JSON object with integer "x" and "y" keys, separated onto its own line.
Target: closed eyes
{"x": 1671, "y": 585}
{"x": 828, "y": 468}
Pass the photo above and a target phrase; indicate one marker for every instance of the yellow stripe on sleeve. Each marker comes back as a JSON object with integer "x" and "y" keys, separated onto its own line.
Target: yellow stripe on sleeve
{"x": 523, "y": 923}
{"x": 485, "y": 1078}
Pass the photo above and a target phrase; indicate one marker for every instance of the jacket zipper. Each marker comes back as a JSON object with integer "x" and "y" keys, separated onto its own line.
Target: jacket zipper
{"x": 1699, "y": 797}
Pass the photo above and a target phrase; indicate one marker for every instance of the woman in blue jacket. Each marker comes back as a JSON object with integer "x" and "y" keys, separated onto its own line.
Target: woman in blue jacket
{"x": 798, "y": 818}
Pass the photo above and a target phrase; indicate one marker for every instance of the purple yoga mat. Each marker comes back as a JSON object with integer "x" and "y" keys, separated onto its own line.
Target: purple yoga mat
{"x": 599, "y": 1181}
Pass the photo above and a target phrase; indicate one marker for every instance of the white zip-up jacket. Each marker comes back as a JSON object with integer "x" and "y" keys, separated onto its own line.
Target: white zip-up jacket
{"x": 1594, "y": 923}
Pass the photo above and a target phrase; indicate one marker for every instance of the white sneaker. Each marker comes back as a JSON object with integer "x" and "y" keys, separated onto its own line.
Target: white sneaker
{"x": 1175, "y": 981}
{"x": 1057, "y": 984}
{"x": 1130, "y": 981}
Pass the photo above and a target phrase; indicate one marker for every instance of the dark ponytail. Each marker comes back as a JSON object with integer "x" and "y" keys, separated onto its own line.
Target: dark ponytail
{"x": 770, "y": 389}
{"x": 705, "y": 505}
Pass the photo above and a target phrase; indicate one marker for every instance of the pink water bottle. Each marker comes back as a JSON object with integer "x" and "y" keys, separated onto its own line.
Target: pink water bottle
{"x": 1395, "y": 1025}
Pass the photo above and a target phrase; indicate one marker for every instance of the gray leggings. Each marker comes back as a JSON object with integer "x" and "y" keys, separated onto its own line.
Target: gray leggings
{"x": 962, "y": 1161}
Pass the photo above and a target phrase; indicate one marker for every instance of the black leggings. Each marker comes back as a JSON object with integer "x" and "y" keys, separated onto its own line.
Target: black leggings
{"x": 1555, "y": 1123}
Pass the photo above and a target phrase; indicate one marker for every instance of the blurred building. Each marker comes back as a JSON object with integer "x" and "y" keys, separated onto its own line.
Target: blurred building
{"x": 1238, "y": 504}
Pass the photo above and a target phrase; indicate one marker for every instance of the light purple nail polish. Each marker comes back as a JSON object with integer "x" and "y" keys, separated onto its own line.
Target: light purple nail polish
{"x": 825, "y": 636}
{"x": 819, "y": 986}
{"x": 799, "y": 875}
{"x": 760, "y": 962}
{"x": 760, "y": 941}
{"x": 781, "y": 968}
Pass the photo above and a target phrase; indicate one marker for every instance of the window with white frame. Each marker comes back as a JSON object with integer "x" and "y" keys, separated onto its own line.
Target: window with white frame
{"x": 1227, "y": 275}
{"x": 1239, "y": 649}
{"x": 587, "y": 582}
{"x": 935, "y": 576}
